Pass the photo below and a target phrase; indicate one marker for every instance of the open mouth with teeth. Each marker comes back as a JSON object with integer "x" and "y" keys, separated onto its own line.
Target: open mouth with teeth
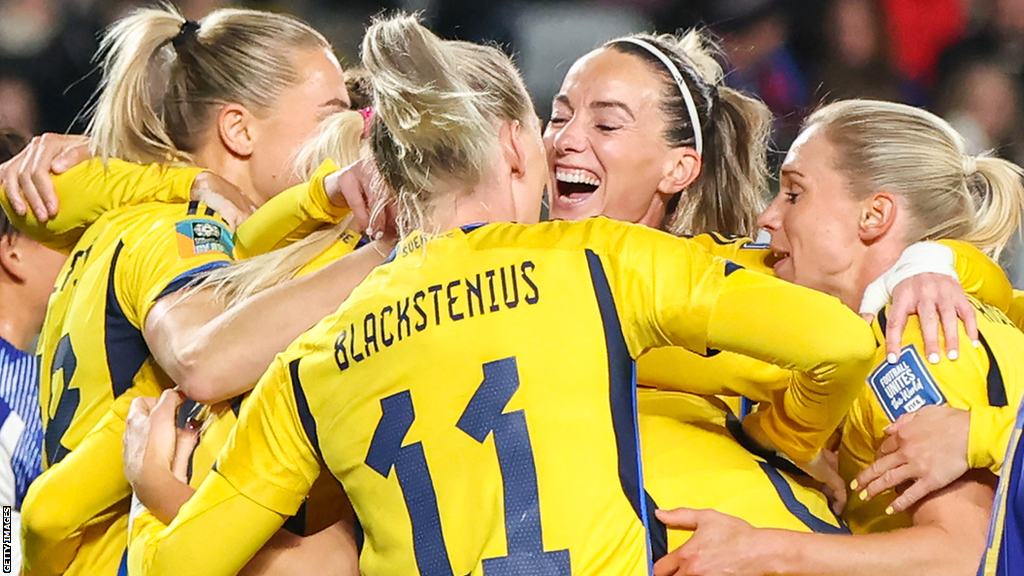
{"x": 776, "y": 257}
{"x": 575, "y": 185}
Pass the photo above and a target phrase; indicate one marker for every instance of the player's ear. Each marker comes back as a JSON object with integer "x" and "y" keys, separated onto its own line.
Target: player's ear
{"x": 878, "y": 213}
{"x": 12, "y": 257}
{"x": 236, "y": 129}
{"x": 681, "y": 168}
{"x": 513, "y": 147}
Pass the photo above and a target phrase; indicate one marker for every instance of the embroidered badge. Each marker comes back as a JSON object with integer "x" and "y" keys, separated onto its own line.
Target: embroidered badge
{"x": 905, "y": 386}
{"x": 199, "y": 236}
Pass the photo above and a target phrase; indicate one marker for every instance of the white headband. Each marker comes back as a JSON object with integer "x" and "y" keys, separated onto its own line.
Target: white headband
{"x": 674, "y": 71}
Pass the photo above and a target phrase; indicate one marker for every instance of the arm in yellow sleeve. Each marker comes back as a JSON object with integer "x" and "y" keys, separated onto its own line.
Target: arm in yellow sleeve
{"x": 989, "y": 435}
{"x": 290, "y": 216}
{"x": 675, "y": 293}
{"x": 220, "y": 529}
{"x": 829, "y": 349}
{"x": 58, "y": 507}
{"x": 90, "y": 189}
{"x": 980, "y": 276}
{"x": 741, "y": 250}
{"x": 727, "y": 374}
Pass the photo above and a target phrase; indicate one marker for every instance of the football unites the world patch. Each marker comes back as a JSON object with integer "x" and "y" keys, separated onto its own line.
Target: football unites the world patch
{"x": 200, "y": 235}
{"x": 906, "y": 386}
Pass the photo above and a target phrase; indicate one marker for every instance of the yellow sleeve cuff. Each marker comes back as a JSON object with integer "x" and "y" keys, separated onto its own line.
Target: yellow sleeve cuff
{"x": 290, "y": 216}
{"x": 988, "y": 436}
{"x": 979, "y": 275}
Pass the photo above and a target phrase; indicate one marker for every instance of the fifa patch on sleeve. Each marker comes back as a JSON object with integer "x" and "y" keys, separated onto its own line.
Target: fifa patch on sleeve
{"x": 905, "y": 386}
{"x": 199, "y": 235}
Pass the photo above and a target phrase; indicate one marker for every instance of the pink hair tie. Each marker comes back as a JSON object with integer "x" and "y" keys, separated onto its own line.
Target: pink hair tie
{"x": 367, "y": 119}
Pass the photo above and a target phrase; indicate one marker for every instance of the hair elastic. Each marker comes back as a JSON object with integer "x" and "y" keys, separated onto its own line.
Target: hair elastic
{"x": 189, "y": 28}
{"x": 691, "y": 107}
{"x": 367, "y": 120}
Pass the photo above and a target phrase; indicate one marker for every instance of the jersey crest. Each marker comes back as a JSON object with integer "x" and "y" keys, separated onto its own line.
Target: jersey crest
{"x": 906, "y": 386}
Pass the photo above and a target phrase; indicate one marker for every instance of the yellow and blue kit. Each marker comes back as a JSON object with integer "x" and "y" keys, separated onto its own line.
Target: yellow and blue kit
{"x": 94, "y": 359}
{"x": 64, "y": 522}
{"x": 982, "y": 378}
{"x": 467, "y": 429}
{"x": 694, "y": 441}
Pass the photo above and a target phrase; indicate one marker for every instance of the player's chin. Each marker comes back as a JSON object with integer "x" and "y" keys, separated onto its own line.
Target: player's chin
{"x": 784, "y": 269}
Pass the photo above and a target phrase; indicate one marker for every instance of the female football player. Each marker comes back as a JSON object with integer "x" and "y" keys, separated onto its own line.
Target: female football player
{"x": 863, "y": 181}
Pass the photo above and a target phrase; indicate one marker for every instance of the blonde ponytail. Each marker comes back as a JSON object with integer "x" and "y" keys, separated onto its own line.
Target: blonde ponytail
{"x": 997, "y": 189}
{"x": 126, "y": 123}
{"x": 437, "y": 106}
{"x": 338, "y": 137}
{"x": 165, "y": 78}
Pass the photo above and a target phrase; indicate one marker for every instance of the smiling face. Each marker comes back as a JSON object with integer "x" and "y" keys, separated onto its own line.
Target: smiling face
{"x": 814, "y": 219}
{"x": 605, "y": 143}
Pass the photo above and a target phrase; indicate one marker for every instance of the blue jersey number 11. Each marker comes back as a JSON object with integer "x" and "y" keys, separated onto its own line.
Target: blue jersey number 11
{"x": 483, "y": 416}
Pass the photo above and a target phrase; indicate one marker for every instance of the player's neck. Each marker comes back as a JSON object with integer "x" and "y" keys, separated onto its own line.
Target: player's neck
{"x": 876, "y": 261}
{"x": 16, "y": 326}
{"x": 464, "y": 209}
{"x": 233, "y": 169}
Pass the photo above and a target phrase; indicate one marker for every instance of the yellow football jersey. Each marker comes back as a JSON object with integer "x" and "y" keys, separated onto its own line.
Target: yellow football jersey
{"x": 90, "y": 190}
{"x": 989, "y": 376}
{"x": 471, "y": 393}
{"x": 693, "y": 458}
{"x": 93, "y": 352}
{"x": 290, "y": 216}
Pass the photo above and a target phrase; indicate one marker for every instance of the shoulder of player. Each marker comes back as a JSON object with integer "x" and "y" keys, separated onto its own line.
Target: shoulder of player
{"x": 598, "y": 233}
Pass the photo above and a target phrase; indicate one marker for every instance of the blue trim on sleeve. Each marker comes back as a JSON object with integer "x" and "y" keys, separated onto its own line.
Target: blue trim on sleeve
{"x": 994, "y": 379}
{"x": 302, "y": 405}
{"x": 188, "y": 277}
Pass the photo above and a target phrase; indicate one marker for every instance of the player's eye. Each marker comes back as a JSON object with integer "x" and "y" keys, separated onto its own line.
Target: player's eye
{"x": 791, "y": 197}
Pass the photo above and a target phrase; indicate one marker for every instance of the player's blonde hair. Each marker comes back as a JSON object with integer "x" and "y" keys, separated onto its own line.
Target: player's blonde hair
{"x": 164, "y": 77}
{"x": 920, "y": 157}
{"x": 437, "y": 108}
{"x": 339, "y": 138}
{"x": 729, "y": 193}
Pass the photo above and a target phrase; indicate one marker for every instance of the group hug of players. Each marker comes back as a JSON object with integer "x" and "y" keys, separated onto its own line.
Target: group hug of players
{"x": 254, "y": 362}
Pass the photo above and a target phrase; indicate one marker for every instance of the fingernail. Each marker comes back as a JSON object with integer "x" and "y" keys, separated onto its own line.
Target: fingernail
{"x": 952, "y": 354}
{"x": 863, "y": 495}
{"x": 378, "y": 235}
{"x": 933, "y": 358}
{"x": 977, "y": 343}
{"x": 891, "y": 358}
{"x": 889, "y": 511}
{"x": 854, "y": 484}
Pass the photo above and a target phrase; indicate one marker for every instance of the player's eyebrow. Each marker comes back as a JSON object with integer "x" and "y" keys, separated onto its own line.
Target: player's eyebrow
{"x": 335, "y": 102}
{"x": 614, "y": 104}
